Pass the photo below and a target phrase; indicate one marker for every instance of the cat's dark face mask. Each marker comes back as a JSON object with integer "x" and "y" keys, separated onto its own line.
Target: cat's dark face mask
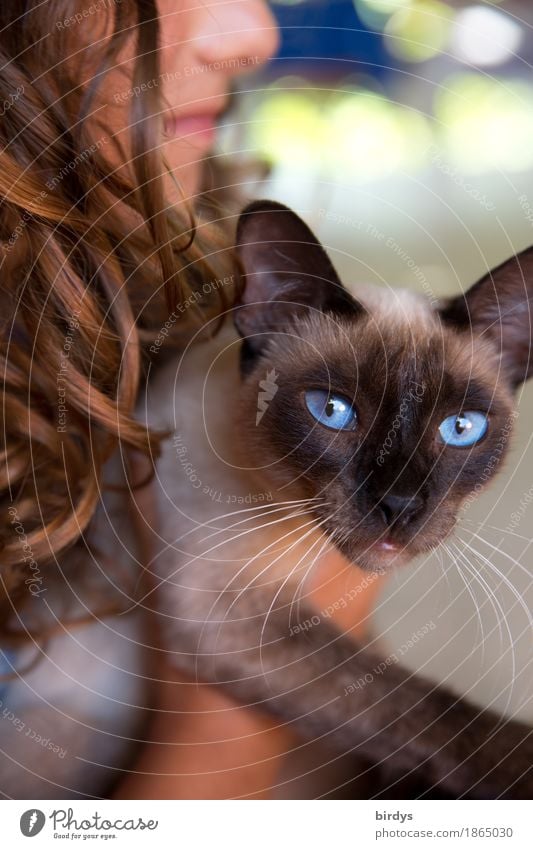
{"x": 387, "y": 412}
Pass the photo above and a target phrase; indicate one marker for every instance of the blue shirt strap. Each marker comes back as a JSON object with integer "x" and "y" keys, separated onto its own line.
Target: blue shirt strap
{"x": 7, "y": 660}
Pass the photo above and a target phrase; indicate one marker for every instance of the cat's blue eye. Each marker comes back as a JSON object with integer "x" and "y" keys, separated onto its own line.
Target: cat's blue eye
{"x": 463, "y": 430}
{"x": 331, "y": 410}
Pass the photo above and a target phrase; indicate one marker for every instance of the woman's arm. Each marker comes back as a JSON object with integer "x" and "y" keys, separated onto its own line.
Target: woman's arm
{"x": 202, "y": 745}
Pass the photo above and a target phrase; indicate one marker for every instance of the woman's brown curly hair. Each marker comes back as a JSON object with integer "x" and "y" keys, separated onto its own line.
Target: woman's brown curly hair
{"x": 91, "y": 262}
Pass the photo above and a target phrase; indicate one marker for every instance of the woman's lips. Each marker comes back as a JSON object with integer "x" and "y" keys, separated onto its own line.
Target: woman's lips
{"x": 199, "y": 130}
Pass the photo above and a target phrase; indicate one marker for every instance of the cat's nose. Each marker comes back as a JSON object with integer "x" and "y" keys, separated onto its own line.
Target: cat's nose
{"x": 400, "y": 509}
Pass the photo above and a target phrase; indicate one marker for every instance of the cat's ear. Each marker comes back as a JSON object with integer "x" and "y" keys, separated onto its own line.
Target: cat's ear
{"x": 287, "y": 273}
{"x": 499, "y": 307}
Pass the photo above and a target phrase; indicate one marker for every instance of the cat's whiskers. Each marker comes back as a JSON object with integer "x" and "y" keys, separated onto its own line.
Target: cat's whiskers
{"x": 202, "y": 555}
{"x": 482, "y": 559}
{"x": 267, "y": 508}
{"x": 440, "y": 558}
{"x": 304, "y": 502}
{"x": 454, "y": 556}
{"x": 497, "y": 607}
{"x": 245, "y": 566}
{"x": 242, "y": 534}
{"x": 268, "y": 613}
{"x": 284, "y": 584}
{"x": 503, "y": 578}
{"x": 340, "y": 537}
{"x": 269, "y": 565}
{"x": 484, "y": 524}
{"x": 353, "y": 494}
{"x": 297, "y": 593}
{"x": 500, "y": 574}
{"x": 314, "y": 524}
{"x": 489, "y": 597}
{"x": 285, "y": 550}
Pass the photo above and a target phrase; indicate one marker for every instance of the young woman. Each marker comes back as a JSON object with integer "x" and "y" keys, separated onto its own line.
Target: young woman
{"x": 109, "y": 111}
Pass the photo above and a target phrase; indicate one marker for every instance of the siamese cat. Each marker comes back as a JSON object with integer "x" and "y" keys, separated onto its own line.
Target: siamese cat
{"x": 317, "y": 420}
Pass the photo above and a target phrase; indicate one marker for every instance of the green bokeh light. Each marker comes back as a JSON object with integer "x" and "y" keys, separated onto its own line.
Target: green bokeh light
{"x": 289, "y": 126}
{"x": 375, "y": 13}
{"x": 360, "y": 134}
{"x": 420, "y": 31}
{"x": 486, "y": 123}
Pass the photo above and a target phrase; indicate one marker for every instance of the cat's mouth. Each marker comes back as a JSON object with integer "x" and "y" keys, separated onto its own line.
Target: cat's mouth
{"x": 387, "y": 554}
{"x": 376, "y": 555}
{"x": 384, "y": 548}
{"x": 384, "y": 554}
{"x": 385, "y": 545}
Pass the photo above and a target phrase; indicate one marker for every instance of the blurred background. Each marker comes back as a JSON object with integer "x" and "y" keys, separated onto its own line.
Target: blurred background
{"x": 402, "y": 131}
